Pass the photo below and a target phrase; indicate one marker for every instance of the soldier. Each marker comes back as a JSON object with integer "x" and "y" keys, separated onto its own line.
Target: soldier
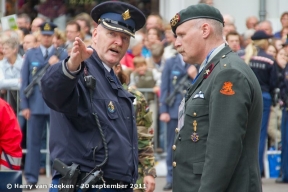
{"x": 33, "y": 108}
{"x": 216, "y": 143}
{"x": 93, "y": 123}
{"x": 146, "y": 170}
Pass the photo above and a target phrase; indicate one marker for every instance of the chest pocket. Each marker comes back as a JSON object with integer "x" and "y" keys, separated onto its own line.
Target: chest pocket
{"x": 198, "y": 116}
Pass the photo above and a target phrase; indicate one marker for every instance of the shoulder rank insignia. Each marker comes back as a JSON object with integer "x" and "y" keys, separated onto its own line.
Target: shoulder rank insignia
{"x": 111, "y": 107}
{"x": 175, "y": 20}
{"x": 227, "y": 88}
{"x": 126, "y": 15}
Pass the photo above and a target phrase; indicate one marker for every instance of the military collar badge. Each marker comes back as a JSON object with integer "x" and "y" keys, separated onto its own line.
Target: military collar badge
{"x": 227, "y": 88}
{"x": 111, "y": 107}
{"x": 126, "y": 15}
{"x": 208, "y": 71}
{"x": 175, "y": 20}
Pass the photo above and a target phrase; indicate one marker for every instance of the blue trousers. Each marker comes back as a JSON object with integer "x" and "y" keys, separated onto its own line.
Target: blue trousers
{"x": 171, "y": 126}
{"x": 55, "y": 181}
{"x": 284, "y": 141}
{"x": 267, "y": 101}
{"x": 36, "y": 126}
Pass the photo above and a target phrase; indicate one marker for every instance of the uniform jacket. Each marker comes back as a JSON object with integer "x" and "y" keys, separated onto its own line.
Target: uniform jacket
{"x": 171, "y": 75}
{"x": 225, "y": 106}
{"x": 284, "y": 87}
{"x": 74, "y": 133}
{"x": 10, "y": 138}
{"x": 265, "y": 70}
{"x": 33, "y": 63}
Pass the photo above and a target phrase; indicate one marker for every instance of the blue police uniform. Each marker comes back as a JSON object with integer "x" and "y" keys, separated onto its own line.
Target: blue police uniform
{"x": 37, "y": 123}
{"x": 265, "y": 70}
{"x": 75, "y": 137}
{"x": 35, "y": 60}
{"x": 284, "y": 128}
{"x": 173, "y": 71}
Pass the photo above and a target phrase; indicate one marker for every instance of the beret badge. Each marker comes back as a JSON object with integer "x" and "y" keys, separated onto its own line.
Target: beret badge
{"x": 126, "y": 15}
{"x": 175, "y": 20}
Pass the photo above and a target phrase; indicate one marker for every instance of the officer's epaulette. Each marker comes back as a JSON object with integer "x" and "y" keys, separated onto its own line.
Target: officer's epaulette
{"x": 225, "y": 62}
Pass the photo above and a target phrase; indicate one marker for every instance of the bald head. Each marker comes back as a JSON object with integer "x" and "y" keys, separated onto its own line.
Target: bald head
{"x": 29, "y": 42}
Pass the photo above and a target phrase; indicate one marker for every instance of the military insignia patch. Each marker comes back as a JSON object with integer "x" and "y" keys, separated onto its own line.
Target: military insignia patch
{"x": 175, "y": 20}
{"x": 227, "y": 88}
{"x": 126, "y": 15}
{"x": 111, "y": 107}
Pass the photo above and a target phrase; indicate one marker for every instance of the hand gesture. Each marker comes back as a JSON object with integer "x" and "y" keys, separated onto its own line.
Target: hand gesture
{"x": 78, "y": 54}
{"x": 53, "y": 59}
{"x": 149, "y": 182}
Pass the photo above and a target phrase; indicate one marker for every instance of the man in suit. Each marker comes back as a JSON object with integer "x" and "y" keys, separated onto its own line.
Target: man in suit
{"x": 216, "y": 143}
{"x": 34, "y": 108}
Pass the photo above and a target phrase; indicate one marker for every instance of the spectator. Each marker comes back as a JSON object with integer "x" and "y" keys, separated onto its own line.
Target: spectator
{"x": 29, "y": 42}
{"x": 272, "y": 50}
{"x": 251, "y": 22}
{"x": 59, "y": 38}
{"x": 229, "y": 24}
{"x": 158, "y": 61}
{"x": 24, "y": 21}
{"x": 247, "y": 37}
{"x": 35, "y": 26}
{"x": 208, "y": 2}
{"x": 169, "y": 50}
{"x": 73, "y": 30}
{"x": 233, "y": 40}
{"x": 265, "y": 26}
{"x": 11, "y": 65}
{"x": 85, "y": 27}
{"x": 284, "y": 22}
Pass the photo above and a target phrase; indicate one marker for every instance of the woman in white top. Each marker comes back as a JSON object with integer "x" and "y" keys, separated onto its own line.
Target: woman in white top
{"x": 11, "y": 64}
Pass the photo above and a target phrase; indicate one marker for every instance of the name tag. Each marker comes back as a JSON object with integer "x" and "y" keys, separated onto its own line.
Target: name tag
{"x": 181, "y": 114}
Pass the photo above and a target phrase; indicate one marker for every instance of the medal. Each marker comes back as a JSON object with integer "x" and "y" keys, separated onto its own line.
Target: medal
{"x": 195, "y": 136}
{"x": 34, "y": 71}
{"x": 174, "y": 80}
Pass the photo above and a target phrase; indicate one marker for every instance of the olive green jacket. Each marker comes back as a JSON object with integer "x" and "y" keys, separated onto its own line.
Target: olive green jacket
{"x": 227, "y": 116}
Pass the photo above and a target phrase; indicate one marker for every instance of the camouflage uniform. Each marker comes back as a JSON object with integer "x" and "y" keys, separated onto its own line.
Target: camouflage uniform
{"x": 145, "y": 148}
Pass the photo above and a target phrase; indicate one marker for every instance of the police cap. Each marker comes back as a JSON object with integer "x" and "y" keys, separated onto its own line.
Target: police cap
{"x": 118, "y": 16}
{"x": 198, "y": 11}
{"x": 47, "y": 28}
{"x": 260, "y": 34}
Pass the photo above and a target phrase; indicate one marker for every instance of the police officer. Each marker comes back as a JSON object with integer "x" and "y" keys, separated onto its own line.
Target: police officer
{"x": 34, "y": 108}
{"x": 216, "y": 143}
{"x": 91, "y": 112}
{"x": 265, "y": 69}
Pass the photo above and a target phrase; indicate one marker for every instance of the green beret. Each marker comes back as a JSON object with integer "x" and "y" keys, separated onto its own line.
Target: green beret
{"x": 198, "y": 11}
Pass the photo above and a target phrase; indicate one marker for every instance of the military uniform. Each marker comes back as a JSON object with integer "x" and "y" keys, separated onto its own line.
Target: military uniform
{"x": 145, "y": 147}
{"x": 173, "y": 71}
{"x": 33, "y": 62}
{"x": 216, "y": 143}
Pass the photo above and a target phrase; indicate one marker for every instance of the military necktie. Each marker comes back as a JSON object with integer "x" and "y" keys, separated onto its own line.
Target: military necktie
{"x": 46, "y": 54}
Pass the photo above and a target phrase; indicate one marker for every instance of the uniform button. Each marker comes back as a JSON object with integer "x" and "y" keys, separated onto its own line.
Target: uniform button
{"x": 194, "y": 114}
{"x": 174, "y": 147}
{"x": 174, "y": 164}
{"x": 224, "y": 65}
{"x": 223, "y": 56}
{"x": 133, "y": 117}
{"x": 133, "y": 147}
{"x": 176, "y": 130}
{"x": 128, "y": 117}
